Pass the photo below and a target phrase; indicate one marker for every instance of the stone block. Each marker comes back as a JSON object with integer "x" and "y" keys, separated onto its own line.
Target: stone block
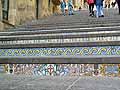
{"x": 1, "y": 26}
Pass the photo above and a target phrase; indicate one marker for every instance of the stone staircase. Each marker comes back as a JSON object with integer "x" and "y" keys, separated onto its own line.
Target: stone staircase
{"x": 91, "y": 32}
{"x": 61, "y": 32}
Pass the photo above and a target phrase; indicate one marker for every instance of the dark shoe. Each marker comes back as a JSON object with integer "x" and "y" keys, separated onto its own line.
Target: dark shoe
{"x": 90, "y": 14}
{"x": 72, "y": 14}
{"x": 102, "y": 16}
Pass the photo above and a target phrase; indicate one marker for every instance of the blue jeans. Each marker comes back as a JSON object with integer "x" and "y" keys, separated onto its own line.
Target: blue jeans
{"x": 99, "y": 10}
{"x": 63, "y": 11}
{"x": 70, "y": 10}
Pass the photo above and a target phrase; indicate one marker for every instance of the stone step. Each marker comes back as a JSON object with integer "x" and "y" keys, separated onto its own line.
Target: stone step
{"x": 64, "y": 43}
{"x": 62, "y": 30}
{"x": 65, "y": 25}
{"x": 65, "y": 37}
{"x": 76, "y": 30}
{"x": 62, "y": 35}
{"x": 75, "y": 19}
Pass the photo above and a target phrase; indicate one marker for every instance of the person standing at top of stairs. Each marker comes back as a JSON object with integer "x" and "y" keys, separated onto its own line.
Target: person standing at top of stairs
{"x": 70, "y": 7}
{"x": 63, "y": 5}
{"x": 99, "y": 8}
{"x": 91, "y": 6}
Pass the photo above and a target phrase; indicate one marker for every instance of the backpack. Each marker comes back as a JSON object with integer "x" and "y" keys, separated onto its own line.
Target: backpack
{"x": 90, "y": 1}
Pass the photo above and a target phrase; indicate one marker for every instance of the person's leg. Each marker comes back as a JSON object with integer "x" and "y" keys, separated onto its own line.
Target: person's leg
{"x": 92, "y": 7}
{"x": 97, "y": 11}
{"x": 101, "y": 11}
{"x": 72, "y": 10}
{"x": 90, "y": 11}
{"x": 69, "y": 10}
{"x": 109, "y": 6}
{"x": 105, "y": 3}
{"x": 63, "y": 11}
{"x": 119, "y": 8}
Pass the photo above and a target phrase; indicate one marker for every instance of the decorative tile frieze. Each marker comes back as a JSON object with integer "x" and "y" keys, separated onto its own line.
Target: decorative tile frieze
{"x": 65, "y": 51}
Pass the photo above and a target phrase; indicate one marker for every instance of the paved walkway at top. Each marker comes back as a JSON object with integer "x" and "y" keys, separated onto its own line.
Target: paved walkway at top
{"x": 79, "y": 17}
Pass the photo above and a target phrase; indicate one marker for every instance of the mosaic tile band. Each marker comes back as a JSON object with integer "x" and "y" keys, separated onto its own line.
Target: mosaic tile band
{"x": 66, "y": 51}
{"x": 62, "y": 69}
